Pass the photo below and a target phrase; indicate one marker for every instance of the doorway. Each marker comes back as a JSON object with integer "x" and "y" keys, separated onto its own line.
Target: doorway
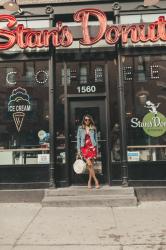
{"x": 95, "y": 108}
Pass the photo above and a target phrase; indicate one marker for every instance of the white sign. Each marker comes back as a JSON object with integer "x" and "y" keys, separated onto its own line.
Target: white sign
{"x": 43, "y": 158}
{"x": 86, "y": 89}
{"x": 133, "y": 155}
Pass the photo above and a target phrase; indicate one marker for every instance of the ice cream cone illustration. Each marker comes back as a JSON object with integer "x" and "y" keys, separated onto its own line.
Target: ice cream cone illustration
{"x": 18, "y": 105}
{"x": 18, "y": 119}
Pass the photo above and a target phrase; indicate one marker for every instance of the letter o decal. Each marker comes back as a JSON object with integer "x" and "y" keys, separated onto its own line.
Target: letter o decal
{"x": 9, "y": 76}
{"x": 45, "y": 75}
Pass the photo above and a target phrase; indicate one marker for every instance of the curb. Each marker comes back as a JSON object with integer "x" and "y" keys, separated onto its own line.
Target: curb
{"x": 14, "y": 196}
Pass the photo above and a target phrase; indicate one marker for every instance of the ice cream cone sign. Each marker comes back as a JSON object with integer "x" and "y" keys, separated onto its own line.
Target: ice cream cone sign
{"x": 18, "y": 105}
{"x": 18, "y": 119}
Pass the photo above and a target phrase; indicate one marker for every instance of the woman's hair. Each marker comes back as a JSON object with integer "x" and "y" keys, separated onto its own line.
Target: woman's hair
{"x": 92, "y": 124}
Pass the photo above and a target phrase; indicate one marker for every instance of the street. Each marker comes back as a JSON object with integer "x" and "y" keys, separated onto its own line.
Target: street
{"x": 29, "y": 226}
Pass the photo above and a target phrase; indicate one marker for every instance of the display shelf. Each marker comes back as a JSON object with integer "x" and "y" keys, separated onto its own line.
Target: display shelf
{"x": 148, "y": 152}
{"x": 60, "y": 137}
{"x": 60, "y": 148}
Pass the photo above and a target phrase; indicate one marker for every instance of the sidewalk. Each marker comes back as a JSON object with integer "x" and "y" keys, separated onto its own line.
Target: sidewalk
{"x": 28, "y": 226}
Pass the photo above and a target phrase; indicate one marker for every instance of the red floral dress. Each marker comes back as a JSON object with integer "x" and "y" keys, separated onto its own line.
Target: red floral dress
{"x": 88, "y": 151}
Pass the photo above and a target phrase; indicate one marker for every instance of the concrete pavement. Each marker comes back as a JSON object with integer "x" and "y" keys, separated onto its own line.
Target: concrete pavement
{"x": 29, "y": 226}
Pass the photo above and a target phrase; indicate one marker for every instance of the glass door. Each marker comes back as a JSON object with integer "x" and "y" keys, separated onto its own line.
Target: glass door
{"x": 96, "y": 108}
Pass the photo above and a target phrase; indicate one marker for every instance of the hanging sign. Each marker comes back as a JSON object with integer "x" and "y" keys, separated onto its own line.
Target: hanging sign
{"x": 18, "y": 105}
{"x": 153, "y": 123}
{"x": 61, "y": 35}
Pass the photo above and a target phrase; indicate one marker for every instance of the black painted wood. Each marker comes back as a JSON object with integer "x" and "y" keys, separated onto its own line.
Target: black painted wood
{"x": 150, "y": 172}
{"x": 24, "y": 174}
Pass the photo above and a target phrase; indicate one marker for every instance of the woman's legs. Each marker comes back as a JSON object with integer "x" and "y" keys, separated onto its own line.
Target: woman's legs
{"x": 90, "y": 181}
{"x": 91, "y": 173}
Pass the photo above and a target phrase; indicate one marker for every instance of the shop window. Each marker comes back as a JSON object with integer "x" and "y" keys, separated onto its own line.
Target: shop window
{"x": 114, "y": 117}
{"x": 141, "y": 73}
{"x": 140, "y": 69}
{"x": 86, "y": 77}
{"x": 145, "y": 109}
{"x": 83, "y": 74}
{"x": 24, "y": 125}
{"x": 73, "y": 75}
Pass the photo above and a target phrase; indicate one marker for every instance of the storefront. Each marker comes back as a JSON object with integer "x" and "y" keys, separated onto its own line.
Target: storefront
{"x": 48, "y": 85}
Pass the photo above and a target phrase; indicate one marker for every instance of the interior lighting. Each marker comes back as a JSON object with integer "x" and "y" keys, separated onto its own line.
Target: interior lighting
{"x": 11, "y": 5}
{"x": 150, "y": 2}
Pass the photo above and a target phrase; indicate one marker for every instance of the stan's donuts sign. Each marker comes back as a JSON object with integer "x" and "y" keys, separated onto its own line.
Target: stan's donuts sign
{"x": 61, "y": 35}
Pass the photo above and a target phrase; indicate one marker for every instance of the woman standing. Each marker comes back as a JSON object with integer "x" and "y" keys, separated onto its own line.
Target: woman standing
{"x": 87, "y": 146}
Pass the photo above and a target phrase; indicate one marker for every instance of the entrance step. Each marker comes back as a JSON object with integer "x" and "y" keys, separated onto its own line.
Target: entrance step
{"x": 74, "y": 196}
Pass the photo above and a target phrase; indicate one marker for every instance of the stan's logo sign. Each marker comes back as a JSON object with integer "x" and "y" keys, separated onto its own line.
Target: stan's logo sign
{"x": 61, "y": 35}
{"x": 19, "y": 104}
{"x": 153, "y": 123}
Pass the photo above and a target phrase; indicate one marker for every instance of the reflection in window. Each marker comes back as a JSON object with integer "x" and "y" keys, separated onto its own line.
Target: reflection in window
{"x": 141, "y": 73}
{"x": 114, "y": 117}
{"x": 115, "y": 142}
{"x": 83, "y": 74}
{"x": 73, "y": 74}
{"x": 99, "y": 74}
{"x": 28, "y": 73}
{"x": 60, "y": 112}
{"x": 68, "y": 80}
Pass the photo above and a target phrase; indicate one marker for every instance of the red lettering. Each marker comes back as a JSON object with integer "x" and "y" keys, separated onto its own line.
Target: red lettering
{"x": 66, "y": 38}
{"x": 20, "y": 35}
{"x": 34, "y": 39}
{"x": 153, "y": 33}
{"x": 142, "y": 33}
{"x": 112, "y": 34}
{"x": 61, "y": 35}
{"x": 83, "y": 16}
{"x": 51, "y": 35}
{"x": 9, "y": 35}
{"x": 161, "y": 28}
{"x": 28, "y": 38}
{"x": 129, "y": 31}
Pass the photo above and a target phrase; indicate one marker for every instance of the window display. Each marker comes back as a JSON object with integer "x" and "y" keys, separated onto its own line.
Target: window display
{"x": 145, "y": 108}
{"x": 23, "y": 111}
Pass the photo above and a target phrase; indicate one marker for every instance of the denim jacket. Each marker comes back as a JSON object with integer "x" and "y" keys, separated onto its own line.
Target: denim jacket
{"x": 81, "y": 137}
